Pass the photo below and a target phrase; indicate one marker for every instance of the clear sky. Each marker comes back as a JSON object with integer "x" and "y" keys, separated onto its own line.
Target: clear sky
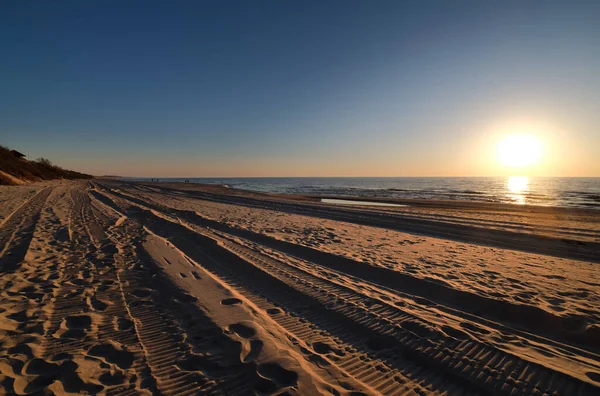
{"x": 300, "y": 88}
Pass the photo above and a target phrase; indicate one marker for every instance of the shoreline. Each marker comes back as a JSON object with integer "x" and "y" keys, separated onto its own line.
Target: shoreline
{"x": 562, "y": 232}
{"x": 420, "y": 203}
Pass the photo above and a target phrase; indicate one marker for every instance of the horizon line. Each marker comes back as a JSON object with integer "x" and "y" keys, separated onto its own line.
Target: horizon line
{"x": 339, "y": 177}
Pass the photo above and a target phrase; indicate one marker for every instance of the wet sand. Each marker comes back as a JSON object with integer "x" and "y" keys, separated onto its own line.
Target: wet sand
{"x": 139, "y": 288}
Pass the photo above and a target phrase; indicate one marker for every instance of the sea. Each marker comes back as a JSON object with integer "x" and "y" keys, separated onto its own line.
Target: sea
{"x": 580, "y": 192}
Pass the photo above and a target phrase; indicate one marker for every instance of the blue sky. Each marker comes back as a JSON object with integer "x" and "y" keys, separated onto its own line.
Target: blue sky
{"x": 284, "y": 88}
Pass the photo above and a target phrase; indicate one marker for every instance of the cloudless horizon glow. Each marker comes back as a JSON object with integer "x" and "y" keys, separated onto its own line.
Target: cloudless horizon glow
{"x": 281, "y": 88}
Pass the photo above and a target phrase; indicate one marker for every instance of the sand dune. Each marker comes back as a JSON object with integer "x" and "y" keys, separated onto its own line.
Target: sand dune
{"x": 125, "y": 288}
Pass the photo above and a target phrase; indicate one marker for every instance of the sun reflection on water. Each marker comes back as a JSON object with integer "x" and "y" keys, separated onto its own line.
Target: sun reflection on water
{"x": 517, "y": 187}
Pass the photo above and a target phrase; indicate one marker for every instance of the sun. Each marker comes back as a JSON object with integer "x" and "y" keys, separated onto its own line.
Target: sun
{"x": 518, "y": 151}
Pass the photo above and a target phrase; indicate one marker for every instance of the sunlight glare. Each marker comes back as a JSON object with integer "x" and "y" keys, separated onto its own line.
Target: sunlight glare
{"x": 517, "y": 184}
{"x": 517, "y": 187}
{"x": 519, "y": 150}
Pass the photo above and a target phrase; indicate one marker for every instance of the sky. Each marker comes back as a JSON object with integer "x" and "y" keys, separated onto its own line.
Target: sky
{"x": 301, "y": 88}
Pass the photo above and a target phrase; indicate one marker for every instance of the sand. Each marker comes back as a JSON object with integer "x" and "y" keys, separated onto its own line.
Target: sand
{"x": 111, "y": 287}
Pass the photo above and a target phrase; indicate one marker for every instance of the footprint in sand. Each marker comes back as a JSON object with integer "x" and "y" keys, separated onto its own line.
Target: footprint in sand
{"x": 75, "y": 327}
{"x": 21, "y": 349}
{"x": 39, "y": 366}
{"x": 242, "y": 330}
{"x": 20, "y": 316}
{"x": 32, "y": 292}
{"x": 277, "y": 374}
{"x": 111, "y": 354}
{"x": 256, "y": 347}
{"x": 97, "y": 305}
{"x": 323, "y": 349}
{"x": 251, "y": 350}
{"x": 121, "y": 324}
{"x": 112, "y": 378}
{"x": 78, "y": 322}
{"x": 195, "y": 275}
{"x": 67, "y": 373}
{"x": 42, "y": 374}
{"x": 274, "y": 311}
{"x": 231, "y": 301}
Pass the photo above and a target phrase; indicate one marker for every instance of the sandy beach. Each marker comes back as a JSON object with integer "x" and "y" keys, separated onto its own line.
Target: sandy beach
{"x": 123, "y": 288}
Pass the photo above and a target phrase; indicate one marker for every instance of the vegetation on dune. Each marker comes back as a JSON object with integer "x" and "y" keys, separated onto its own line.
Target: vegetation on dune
{"x": 15, "y": 170}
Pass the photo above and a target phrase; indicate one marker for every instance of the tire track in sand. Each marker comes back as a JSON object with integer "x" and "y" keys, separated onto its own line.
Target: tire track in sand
{"x": 186, "y": 352}
{"x": 80, "y": 334}
{"x": 25, "y": 293}
{"x": 132, "y": 212}
{"x": 469, "y": 363}
{"x": 452, "y": 354}
{"x": 17, "y": 231}
{"x": 309, "y": 320}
